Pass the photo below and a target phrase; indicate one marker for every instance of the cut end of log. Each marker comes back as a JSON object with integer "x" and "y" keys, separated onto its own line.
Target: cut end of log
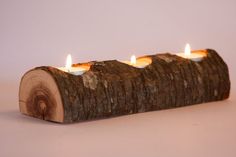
{"x": 39, "y": 96}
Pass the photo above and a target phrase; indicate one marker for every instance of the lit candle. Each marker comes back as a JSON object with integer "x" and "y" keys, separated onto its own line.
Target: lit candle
{"x": 194, "y": 56}
{"x": 138, "y": 63}
{"x": 72, "y": 70}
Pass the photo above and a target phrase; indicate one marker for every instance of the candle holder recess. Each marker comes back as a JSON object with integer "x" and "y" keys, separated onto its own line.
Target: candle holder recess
{"x": 112, "y": 88}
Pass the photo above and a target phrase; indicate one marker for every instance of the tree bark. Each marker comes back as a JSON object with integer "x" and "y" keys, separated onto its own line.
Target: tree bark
{"x": 112, "y": 88}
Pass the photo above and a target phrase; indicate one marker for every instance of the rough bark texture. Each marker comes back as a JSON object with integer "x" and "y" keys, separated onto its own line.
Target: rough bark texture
{"x": 111, "y": 88}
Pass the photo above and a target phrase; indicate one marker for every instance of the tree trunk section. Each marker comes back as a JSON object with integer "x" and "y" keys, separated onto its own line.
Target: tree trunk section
{"x": 112, "y": 88}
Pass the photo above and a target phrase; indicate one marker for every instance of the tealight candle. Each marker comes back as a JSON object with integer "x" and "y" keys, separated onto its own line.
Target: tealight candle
{"x": 140, "y": 62}
{"x": 72, "y": 70}
{"x": 194, "y": 56}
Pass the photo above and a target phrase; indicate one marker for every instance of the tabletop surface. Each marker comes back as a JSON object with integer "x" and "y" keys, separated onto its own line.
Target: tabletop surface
{"x": 207, "y": 129}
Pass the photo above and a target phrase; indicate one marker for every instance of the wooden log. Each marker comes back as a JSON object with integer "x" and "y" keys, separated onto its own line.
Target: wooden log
{"x": 112, "y": 88}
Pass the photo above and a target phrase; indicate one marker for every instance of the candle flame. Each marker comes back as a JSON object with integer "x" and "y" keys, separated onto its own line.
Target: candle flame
{"x": 187, "y": 51}
{"x": 68, "y": 62}
{"x": 133, "y": 60}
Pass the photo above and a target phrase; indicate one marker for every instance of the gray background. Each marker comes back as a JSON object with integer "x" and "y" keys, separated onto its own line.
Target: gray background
{"x": 43, "y": 32}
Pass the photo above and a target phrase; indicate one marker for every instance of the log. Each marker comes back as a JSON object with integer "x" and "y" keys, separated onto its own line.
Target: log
{"x": 112, "y": 88}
